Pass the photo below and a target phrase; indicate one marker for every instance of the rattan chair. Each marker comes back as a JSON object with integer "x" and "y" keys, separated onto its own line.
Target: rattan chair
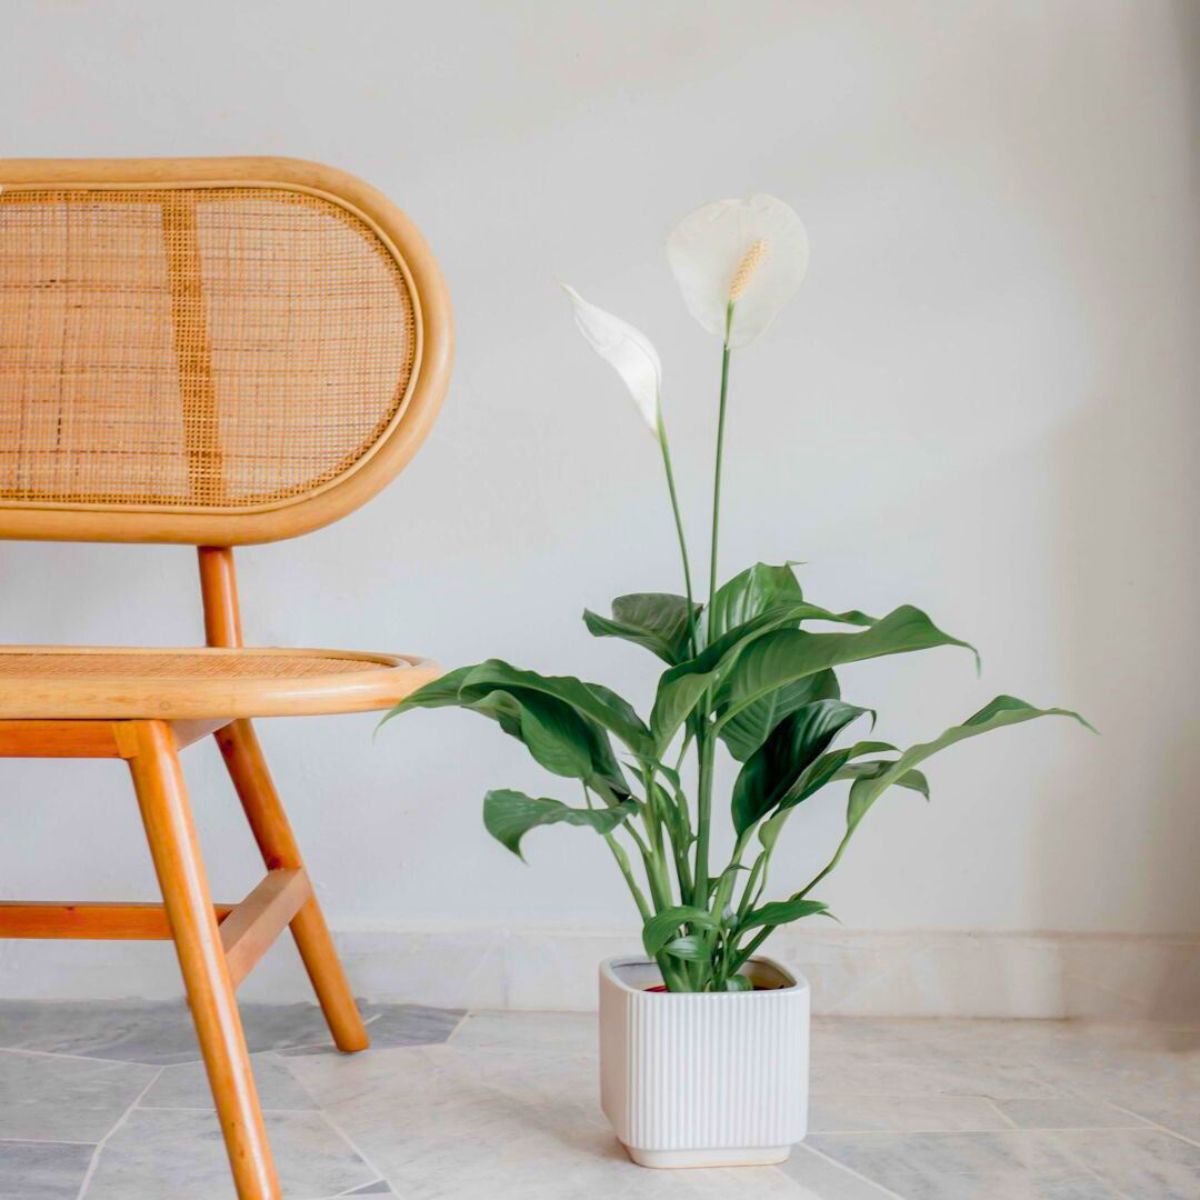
{"x": 213, "y": 352}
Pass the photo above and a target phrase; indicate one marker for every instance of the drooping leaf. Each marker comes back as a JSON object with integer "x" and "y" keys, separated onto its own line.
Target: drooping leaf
{"x": 782, "y": 912}
{"x": 792, "y": 747}
{"x": 913, "y": 780}
{"x": 592, "y": 700}
{"x": 509, "y": 815}
{"x": 738, "y": 983}
{"x": 750, "y": 727}
{"x": 998, "y": 713}
{"x": 661, "y": 928}
{"x": 784, "y": 656}
{"x": 656, "y": 620}
{"x": 556, "y": 735}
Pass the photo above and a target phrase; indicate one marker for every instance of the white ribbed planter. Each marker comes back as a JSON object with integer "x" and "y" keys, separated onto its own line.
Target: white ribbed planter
{"x": 704, "y": 1080}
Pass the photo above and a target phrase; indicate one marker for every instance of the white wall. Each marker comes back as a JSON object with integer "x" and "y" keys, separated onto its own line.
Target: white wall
{"x": 984, "y": 402}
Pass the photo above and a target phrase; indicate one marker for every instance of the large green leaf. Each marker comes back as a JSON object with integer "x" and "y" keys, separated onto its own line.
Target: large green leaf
{"x": 680, "y": 688}
{"x": 792, "y": 747}
{"x": 661, "y": 928}
{"x": 782, "y": 912}
{"x": 591, "y": 700}
{"x": 557, "y": 736}
{"x": 997, "y": 714}
{"x": 509, "y": 815}
{"x": 784, "y": 656}
{"x": 556, "y": 732}
{"x": 750, "y": 727}
{"x": 751, "y": 593}
{"x": 656, "y": 620}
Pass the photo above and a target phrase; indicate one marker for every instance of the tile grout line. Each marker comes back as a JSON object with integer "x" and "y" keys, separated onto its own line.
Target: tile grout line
{"x": 467, "y": 1015}
{"x": 883, "y": 1191}
{"x": 336, "y": 1127}
{"x": 1154, "y": 1125}
{"x": 1001, "y": 1113}
{"x": 112, "y": 1062}
{"x": 26, "y": 1141}
{"x": 89, "y": 1174}
{"x": 211, "y": 1109}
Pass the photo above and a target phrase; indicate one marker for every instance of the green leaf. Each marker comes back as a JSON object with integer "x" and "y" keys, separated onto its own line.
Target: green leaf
{"x": 556, "y": 735}
{"x": 656, "y": 620}
{"x": 592, "y": 700}
{"x": 824, "y": 770}
{"x": 738, "y": 983}
{"x": 782, "y": 912}
{"x": 913, "y": 780}
{"x": 751, "y": 593}
{"x": 779, "y": 763}
{"x": 688, "y": 947}
{"x": 998, "y": 713}
{"x": 746, "y": 730}
{"x": 784, "y": 656}
{"x": 662, "y": 927}
{"x": 440, "y": 693}
{"x": 510, "y": 815}
{"x": 680, "y": 688}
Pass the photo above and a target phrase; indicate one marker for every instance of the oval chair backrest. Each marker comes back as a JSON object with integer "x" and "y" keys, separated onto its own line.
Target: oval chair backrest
{"x": 207, "y": 351}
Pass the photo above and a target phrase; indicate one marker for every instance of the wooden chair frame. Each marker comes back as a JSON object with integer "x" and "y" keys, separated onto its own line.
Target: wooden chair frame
{"x": 219, "y": 944}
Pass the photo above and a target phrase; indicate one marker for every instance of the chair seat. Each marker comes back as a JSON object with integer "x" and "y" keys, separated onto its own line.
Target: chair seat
{"x": 100, "y": 682}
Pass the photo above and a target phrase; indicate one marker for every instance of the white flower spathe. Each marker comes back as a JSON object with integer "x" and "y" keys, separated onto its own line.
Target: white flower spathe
{"x": 627, "y": 350}
{"x": 753, "y": 253}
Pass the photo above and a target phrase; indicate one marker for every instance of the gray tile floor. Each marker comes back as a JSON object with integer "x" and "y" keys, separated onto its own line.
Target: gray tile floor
{"x": 109, "y": 1102}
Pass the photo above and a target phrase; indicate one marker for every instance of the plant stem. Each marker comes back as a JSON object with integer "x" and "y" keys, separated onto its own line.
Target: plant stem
{"x": 679, "y": 533}
{"x": 618, "y": 852}
{"x": 706, "y": 747}
{"x": 725, "y": 884}
{"x": 716, "y": 512}
{"x": 749, "y": 896}
{"x": 755, "y": 942}
{"x": 623, "y": 863}
{"x": 705, "y": 741}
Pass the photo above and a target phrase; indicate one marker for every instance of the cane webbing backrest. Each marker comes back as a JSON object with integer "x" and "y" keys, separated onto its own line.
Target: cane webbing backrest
{"x": 205, "y": 351}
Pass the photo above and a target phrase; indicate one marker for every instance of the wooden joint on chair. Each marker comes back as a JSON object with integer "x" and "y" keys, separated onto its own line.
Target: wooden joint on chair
{"x": 250, "y": 930}
{"x": 114, "y": 921}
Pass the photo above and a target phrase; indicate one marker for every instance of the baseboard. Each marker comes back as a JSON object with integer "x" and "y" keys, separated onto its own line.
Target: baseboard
{"x": 910, "y": 974}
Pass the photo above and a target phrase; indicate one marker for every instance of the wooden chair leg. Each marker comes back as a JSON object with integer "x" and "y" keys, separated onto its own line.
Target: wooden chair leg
{"x": 248, "y": 770}
{"x": 171, "y": 833}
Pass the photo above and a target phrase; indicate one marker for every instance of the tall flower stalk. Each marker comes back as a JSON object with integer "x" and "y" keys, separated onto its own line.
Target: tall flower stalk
{"x": 744, "y": 671}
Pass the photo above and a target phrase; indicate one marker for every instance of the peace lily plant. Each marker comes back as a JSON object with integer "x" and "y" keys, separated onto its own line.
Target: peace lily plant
{"x": 750, "y": 671}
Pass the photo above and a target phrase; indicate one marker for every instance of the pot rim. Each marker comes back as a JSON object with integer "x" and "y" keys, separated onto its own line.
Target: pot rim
{"x": 609, "y": 971}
